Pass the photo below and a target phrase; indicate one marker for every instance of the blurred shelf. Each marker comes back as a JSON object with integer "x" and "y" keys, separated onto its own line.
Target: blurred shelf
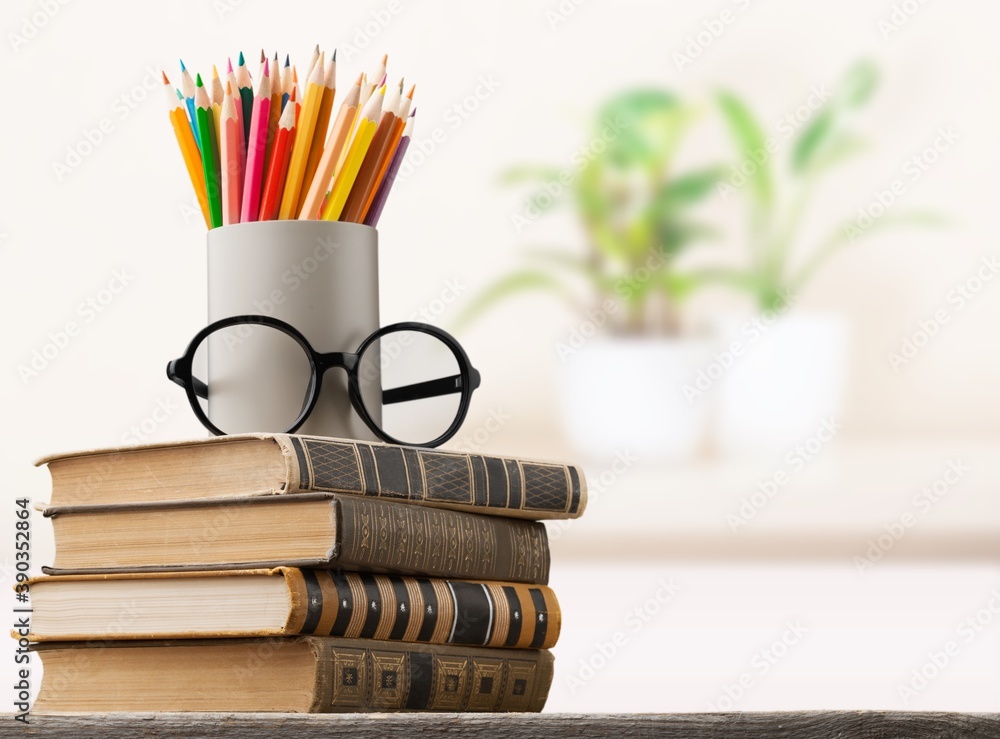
{"x": 905, "y": 499}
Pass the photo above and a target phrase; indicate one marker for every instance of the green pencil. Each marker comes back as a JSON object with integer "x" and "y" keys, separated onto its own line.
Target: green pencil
{"x": 209, "y": 152}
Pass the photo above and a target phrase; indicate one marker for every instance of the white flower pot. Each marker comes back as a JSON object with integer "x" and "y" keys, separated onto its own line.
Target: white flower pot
{"x": 789, "y": 377}
{"x": 625, "y": 394}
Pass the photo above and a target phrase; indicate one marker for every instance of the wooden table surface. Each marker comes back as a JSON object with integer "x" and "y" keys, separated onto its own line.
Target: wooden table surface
{"x": 805, "y": 725}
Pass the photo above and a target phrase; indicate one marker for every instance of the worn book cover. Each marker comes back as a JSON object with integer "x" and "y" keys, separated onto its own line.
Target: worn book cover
{"x": 281, "y": 464}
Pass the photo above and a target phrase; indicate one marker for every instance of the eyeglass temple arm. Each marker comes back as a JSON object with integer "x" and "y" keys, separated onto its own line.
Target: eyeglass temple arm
{"x": 200, "y": 388}
{"x": 429, "y": 389}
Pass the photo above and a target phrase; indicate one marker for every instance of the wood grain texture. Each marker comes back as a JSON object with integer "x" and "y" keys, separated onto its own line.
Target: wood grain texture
{"x": 799, "y": 725}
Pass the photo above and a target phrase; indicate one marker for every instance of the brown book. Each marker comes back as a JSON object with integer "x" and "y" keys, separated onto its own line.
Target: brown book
{"x": 288, "y": 601}
{"x": 303, "y": 675}
{"x": 275, "y": 464}
{"x": 325, "y": 531}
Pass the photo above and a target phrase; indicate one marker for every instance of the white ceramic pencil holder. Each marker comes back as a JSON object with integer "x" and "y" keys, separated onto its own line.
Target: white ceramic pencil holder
{"x": 319, "y": 276}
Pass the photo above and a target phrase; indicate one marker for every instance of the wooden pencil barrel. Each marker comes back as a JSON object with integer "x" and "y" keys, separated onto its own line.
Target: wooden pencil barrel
{"x": 319, "y": 276}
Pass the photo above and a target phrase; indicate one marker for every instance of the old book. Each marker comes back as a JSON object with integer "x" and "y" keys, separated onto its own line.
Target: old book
{"x": 270, "y": 464}
{"x": 321, "y": 530}
{"x": 301, "y": 674}
{"x": 288, "y": 601}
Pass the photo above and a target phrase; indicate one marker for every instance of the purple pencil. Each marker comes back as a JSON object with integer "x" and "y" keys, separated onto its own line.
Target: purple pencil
{"x": 378, "y": 203}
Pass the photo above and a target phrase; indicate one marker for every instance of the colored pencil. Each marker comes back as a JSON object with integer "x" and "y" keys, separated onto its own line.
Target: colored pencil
{"x": 187, "y": 85}
{"x": 217, "y": 97}
{"x": 286, "y": 82}
{"x": 210, "y": 152}
{"x": 312, "y": 61}
{"x": 322, "y": 126}
{"x": 260, "y": 69}
{"x": 229, "y": 148}
{"x": 272, "y": 127}
{"x": 354, "y": 208}
{"x": 326, "y": 168}
{"x": 188, "y": 147}
{"x": 246, "y": 95}
{"x": 305, "y": 127}
{"x": 375, "y": 212}
{"x": 232, "y": 80}
{"x": 253, "y": 182}
{"x": 373, "y": 81}
{"x": 345, "y": 178}
{"x": 402, "y": 116}
{"x": 278, "y": 166}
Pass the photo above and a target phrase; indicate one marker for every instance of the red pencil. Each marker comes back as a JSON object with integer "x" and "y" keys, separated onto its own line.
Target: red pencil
{"x": 278, "y": 166}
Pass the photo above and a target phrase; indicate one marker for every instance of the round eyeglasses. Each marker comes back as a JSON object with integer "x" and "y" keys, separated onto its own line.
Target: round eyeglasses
{"x": 411, "y": 383}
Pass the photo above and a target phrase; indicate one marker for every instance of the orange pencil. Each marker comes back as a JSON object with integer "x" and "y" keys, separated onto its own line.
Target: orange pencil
{"x": 331, "y": 154}
{"x": 278, "y": 167}
{"x": 354, "y": 208}
{"x": 229, "y": 149}
{"x": 322, "y": 125}
{"x": 189, "y": 149}
{"x": 402, "y": 114}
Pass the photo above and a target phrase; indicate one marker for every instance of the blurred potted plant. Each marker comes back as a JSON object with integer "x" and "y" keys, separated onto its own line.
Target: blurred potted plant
{"x": 626, "y": 359}
{"x": 791, "y": 370}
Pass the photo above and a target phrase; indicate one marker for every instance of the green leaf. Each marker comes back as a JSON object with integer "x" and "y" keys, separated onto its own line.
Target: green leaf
{"x": 505, "y": 287}
{"x": 858, "y": 84}
{"x": 692, "y": 187}
{"x": 531, "y": 173}
{"x": 838, "y": 150}
{"x": 751, "y": 146}
{"x": 844, "y": 236}
{"x": 812, "y": 138}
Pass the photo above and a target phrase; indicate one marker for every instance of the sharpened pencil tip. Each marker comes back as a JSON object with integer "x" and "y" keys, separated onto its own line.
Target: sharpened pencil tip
{"x": 183, "y": 68}
{"x": 413, "y": 112}
{"x": 360, "y": 77}
{"x": 410, "y": 93}
{"x": 288, "y": 61}
{"x": 334, "y": 55}
{"x": 267, "y": 72}
{"x": 385, "y": 59}
{"x": 198, "y": 82}
{"x": 166, "y": 80}
{"x": 215, "y": 72}
{"x": 229, "y": 88}
{"x": 242, "y": 60}
{"x": 263, "y": 56}
{"x": 382, "y": 81}
{"x": 229, "y": 66}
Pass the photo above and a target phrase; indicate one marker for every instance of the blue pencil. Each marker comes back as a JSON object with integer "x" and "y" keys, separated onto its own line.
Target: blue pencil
{"x": 187, "y": 84}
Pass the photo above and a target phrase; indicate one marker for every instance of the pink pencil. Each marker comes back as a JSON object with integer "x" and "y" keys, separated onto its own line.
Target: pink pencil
{"x": 231, "y": 79}
{"x": 253, "y": 182}
{"x": 229, "y": 149}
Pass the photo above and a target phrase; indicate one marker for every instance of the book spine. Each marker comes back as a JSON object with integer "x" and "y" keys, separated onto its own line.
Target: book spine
{"x": 398, "y": 678}
{"x": 470, "y": 482}
{"x": 409, "y": 609}
{"x": 383, "y": 536}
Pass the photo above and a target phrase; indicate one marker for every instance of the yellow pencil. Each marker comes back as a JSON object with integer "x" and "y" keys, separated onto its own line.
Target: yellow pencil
{"x": 189, "y": 149}
{"x": 305, "y": 128}
{"x": 344, "y": 179}
{"x": 322, "y": 125}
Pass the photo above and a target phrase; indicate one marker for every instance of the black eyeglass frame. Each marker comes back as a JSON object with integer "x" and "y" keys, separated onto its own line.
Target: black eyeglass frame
{"x": 181, "y": 371}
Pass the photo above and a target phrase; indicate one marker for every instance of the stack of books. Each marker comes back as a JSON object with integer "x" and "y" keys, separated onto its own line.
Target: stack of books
{"x": 274, "y": 572}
